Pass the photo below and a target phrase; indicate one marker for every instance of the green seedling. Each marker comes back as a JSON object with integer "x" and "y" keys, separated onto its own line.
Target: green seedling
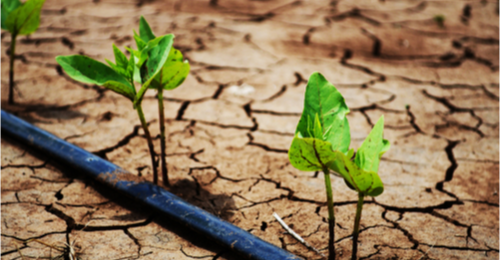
{"x": 172, "y": 74}
{"x": 321, "y": 143}
{"x": 19, "y": 19}
{"x": 322, "y": 132}
{"x": 439, "y": 19}
{"x": 361, "y": 175}
{"x": 120, "y": 76}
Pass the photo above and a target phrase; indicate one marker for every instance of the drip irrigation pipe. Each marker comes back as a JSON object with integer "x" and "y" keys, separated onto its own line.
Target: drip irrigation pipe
{"x": 202, "y": 222}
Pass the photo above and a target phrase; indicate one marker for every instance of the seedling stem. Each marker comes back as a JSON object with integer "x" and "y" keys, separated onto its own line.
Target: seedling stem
{"x": 150, "y": 142}
{"x": 163, "y": 157}
{"x": 331, "y": 215}
{"x": 355, "y": 233}
{"x": 11, "y": 71}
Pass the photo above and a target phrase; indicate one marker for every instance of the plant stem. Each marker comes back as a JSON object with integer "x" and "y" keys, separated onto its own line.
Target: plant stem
{"x": 11, "y": 71}
{"x": 331, "y": 215}
{"x": 150, "y": 142}
{"x": 163, "y": 158}
{"x": 355, "y": 233}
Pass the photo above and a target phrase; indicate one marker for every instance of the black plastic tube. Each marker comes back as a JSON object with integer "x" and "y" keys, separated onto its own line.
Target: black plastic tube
{"x": 225, "y": 233}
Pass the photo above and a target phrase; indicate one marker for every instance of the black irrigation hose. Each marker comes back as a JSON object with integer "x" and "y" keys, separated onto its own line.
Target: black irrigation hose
{"x": 225, "y": 233}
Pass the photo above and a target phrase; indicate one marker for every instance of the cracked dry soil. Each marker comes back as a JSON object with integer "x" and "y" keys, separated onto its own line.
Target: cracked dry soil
{"x": 231, "y": 122}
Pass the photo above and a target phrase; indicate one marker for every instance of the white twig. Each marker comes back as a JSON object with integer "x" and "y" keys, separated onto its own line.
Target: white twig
{"x": 295, "y": 235}
{"x": 427, "y": 251}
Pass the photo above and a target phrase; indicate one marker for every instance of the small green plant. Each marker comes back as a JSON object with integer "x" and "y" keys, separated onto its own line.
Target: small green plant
{"x": 362, "y": 174}
{"x": 439, "y": 19}
{"x": 145, "y": 66}
{"x": 321, "y": 143}
{"x": 323, "y": 128}
{"x": 172, "y": 74}
{"x": 19, "y": 19}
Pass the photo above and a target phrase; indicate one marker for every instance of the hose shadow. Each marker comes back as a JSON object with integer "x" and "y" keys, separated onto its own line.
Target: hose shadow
{"x": 220, "y": 205}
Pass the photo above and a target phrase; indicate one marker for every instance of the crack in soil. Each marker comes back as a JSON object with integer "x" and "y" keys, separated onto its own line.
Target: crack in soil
{"x": 199, "y": 34}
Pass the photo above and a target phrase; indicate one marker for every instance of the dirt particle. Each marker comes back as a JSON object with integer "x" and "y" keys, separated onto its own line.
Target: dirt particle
{"x": 106, "y": 116}
{"x": 59, "y": 195}
{"x": 263, "y": 226}
{"x": 347, "y": 54}
{"x": 67, "y": 42}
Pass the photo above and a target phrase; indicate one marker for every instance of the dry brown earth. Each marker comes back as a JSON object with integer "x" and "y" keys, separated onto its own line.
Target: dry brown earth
{"x": 230, "y": 125}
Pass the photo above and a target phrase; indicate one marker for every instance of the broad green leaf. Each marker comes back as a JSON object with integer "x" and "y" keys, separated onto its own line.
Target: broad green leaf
{"x": 310, "y": 154}
{"x": 145, "y": 31}
{"x": 171, "y": 76}
{"x": 324, "y": 100}
{"x": 173, "y": 73}
{"x": 120, "y": 89}
{"x": 7, "y": 7}
{"x": 368, "y": 155}
{"x": 25, "y": 19}
{"x": 120, "y": 58}
{"x": 157, "y": 51}
{"x": 175, "y": 55}
{"x": 366, "y": 182}
{"x": 87, "y": 70}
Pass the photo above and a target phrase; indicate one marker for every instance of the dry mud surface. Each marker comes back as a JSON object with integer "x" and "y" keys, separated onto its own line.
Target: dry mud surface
{"x": 231, "y": 123}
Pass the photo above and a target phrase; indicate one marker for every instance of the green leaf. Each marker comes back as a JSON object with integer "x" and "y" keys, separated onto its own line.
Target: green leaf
{"x": 385, "y": 147}
{"x": 121, "y": 64}
{"x": 365, "y": 182}
{"x": 157, "y": 51}
{"x": 325, "y": 101}
{"x": 25, "y": 19}
{"x": 368, "y": 155}
{"x": 147, "y": 51}
{"x": 122, "y": 71}
{"x": 350, "y": 153}
{"x": 175, "y": 55}
{"x": 139, "y": 41}
{"x": 7, "y": 7}
{"x": 310, "y": 154}
{"x": 132, "y": 69}
{"x": 173, "y": 73}
{"x": 136, "y": 53}
{"x": 172, "y": 76}
{"x": 87, "y": 70}
{"x": 120, "y": 88}
{"x": 120, "y": 58}
{"x": 145, "y": 31}
{"x": 132, "y": 66}
{"x": 317, "y": 131}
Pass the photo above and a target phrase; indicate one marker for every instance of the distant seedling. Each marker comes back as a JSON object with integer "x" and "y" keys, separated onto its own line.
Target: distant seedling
{"x": 154, "y": 64}
{"x": 321, "y": 143}
{"x": 439, "y": 19}
{"x": 19, "y": 19}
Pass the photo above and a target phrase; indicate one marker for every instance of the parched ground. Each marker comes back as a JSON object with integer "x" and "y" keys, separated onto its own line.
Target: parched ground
{"x": 231, "y": 123}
